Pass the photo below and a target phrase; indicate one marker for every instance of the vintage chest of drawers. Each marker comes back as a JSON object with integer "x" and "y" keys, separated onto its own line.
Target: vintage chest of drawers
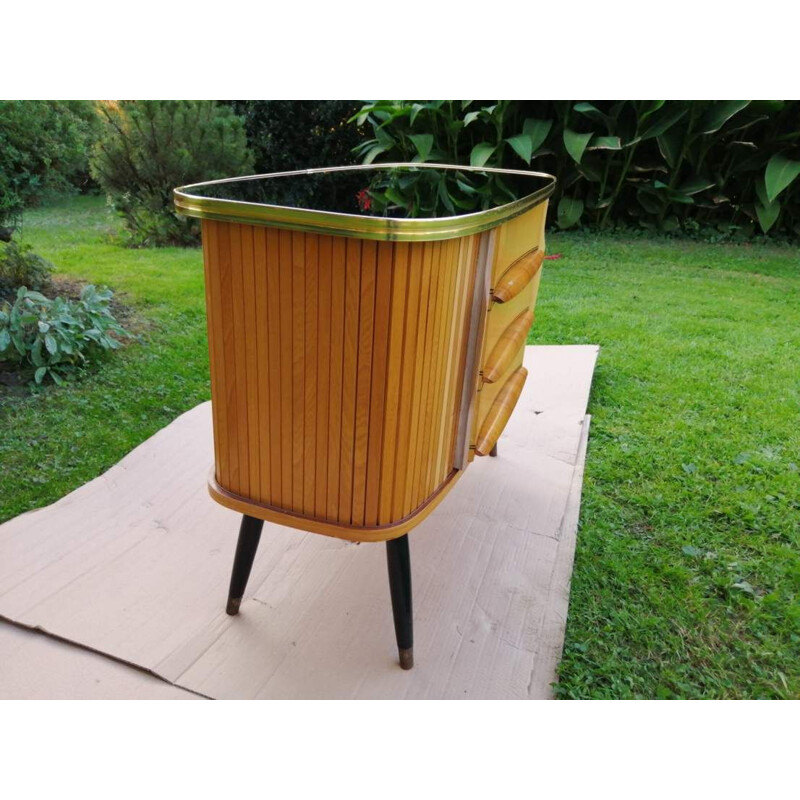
{"x": 359, "y": 363}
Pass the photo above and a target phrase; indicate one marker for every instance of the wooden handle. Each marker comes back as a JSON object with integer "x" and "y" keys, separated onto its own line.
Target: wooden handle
{"x": 518, "y": 276}
{"x": 500, "y": 411}
{"x": 507, "y": 346}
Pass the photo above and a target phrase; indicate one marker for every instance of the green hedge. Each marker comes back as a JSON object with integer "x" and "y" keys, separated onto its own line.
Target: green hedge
{"x": 727, "y": 166}
{"x": 302, "y": 134}
{"x": 43, "y": 150}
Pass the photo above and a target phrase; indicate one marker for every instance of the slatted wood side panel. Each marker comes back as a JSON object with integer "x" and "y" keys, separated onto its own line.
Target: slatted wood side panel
{"x": 336, "y": 368}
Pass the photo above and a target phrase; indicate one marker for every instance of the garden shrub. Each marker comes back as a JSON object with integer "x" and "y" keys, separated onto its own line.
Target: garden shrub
{"x": 148, "y": 147}
{"x": 730, "y": 164}
{"x": 302, "y": 134}
{"x": 56, "y": 337}
{"x": 43, "y": 150}
{"x": 21, "y": 267}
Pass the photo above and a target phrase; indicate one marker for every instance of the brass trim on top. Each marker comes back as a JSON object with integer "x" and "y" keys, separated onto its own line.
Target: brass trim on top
{"x": 356, "y": 225}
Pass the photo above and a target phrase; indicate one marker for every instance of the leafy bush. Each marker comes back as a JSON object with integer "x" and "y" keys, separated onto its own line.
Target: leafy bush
{"x": 438, "y": 132}
{"x": 55, "y": 337}
{"x": 21, "y": 267}
{"x": 658, "y": 164}
{"x": 43, "y": 150}
{"x": 302, "y": 134}
{"x": 148, "y": 147}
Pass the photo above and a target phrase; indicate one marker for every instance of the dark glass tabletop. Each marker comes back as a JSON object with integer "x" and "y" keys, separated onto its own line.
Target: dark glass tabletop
{"x": 385, "y": 201}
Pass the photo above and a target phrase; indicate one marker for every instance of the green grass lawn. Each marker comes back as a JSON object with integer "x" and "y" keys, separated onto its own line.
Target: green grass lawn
{"x": 687, "y": 573}
{"x": 58, "y": 439}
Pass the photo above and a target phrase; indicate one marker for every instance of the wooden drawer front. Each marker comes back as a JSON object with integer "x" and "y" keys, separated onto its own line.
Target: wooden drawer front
{"x": 500, "y": 411}
{"x": 518, "y": 276}
{"x": 508, "y": 346}
{"x": 518, "y": 254}
{"x": 516, "y": 237}
{"x": 500, "y": 318}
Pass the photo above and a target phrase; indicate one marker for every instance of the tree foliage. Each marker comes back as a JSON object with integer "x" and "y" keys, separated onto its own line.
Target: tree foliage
{"x": 43, "y": 151}
{"x": 148, "y": 147}
{"x": 302, "y": 134}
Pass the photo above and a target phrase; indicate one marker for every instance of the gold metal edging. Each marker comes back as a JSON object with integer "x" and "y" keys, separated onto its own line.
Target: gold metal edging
{"x": 355, "y": 225}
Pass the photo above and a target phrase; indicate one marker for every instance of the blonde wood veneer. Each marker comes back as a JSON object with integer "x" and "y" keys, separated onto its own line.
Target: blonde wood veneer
{"x": 508, "y": 346}
{"x": 518, "y": 276}
{"x": 346, "y": 373}
{"x": 500, "y": 412}
{"x": 336, "y": 373}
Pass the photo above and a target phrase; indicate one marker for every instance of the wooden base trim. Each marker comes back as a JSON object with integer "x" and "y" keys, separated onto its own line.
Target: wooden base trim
{"x": 353, "y": 533}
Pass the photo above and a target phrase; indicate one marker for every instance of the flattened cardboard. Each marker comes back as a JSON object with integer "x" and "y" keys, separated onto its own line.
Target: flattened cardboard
{"x": 136, "y": 564}
{"x": 36, "y": 667}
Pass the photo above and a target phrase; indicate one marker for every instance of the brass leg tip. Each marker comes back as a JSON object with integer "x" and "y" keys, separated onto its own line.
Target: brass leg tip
{"x": 407, "y": 658}
{"x": 233, "y": 606}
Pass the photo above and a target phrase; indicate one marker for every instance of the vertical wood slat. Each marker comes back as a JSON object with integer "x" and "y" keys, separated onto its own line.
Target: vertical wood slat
{"x": 450, "y": 345}
{"x": 251, "y": 362}
{"x": 442, "y": 344}
{"x": 434, "y": 357}
{"x": 216, "y": 361}
{"x": 262, "y": 356}
{"x": 285, "y": 269}
{"x": 418, "y": 371}
{"x": 487, "y": 250}
{"x": 471, "y": 333}
{"x": 380, "y": 366}
{"x": 352, "y": 311}
{"x": 338, "y": 292}
{"x": 420, "y": 434}
{"x": 423, "y": 435}
{"x": 415, "y": 267}
{"x": 298, "y": 241}
{"x": 366, "y": 330}
{"x": 439, "y": 348}
{"x": 310, "y": 311}
{"x": 227, "y": 336}
{"x": 240, "y": 357}
{"x": 460, "y": 333}
{"x": 273, "y": 410}
{"x": 336, "y": 367}
{"x": 324, "y": 357}
{"x": 441, "y": 432}
{"x": 394, "y": 377}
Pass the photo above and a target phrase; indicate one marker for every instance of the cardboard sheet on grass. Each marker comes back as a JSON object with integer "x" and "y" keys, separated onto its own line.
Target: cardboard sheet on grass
{"x": 36, "y": 666}
{"x": 136, "y": 564}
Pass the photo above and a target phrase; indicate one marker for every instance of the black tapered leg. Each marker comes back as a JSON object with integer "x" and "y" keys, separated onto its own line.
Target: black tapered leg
{"x": 399, "y": 561}
{"x": 249, "y": 536}
{"x": 493, "y": 451}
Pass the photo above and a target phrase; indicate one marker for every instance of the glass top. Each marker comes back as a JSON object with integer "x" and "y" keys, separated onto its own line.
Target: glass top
{"x": 385, "y": 201}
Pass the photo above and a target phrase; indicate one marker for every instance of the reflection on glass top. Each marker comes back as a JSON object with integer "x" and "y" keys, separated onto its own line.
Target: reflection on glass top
{"x": 398, "y": 192}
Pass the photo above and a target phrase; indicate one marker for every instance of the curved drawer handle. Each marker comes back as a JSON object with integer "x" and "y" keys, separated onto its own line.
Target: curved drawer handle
{"x": 518, "y": 275}
{"x": 500, "y": 411}
{"x": 507, "y": 346}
